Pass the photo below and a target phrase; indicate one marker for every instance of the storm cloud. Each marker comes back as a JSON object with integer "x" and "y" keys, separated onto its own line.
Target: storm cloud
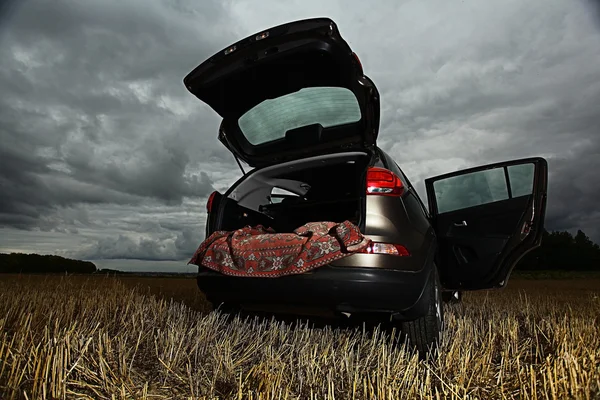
{"x": 105, "y": 155}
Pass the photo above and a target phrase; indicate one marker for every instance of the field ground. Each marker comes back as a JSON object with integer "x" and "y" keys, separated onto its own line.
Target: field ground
{"x": 136, "y": 337}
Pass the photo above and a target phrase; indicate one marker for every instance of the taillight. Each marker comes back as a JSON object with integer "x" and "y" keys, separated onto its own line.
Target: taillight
{"x": 387, "y": 248}
{"x": 383, "y": 182}
{"x": 209, "y": 203}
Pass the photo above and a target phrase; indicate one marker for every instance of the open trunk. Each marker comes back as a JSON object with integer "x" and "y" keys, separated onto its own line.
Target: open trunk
{"x": 286, "y": 196}
{"x": 290, "y": 92}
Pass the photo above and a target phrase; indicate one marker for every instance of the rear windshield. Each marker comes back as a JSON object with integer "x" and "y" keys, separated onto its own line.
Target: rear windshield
{"x": 328, "y": 106}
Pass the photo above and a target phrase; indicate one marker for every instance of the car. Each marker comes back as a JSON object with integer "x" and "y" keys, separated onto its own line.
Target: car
{"x": 297, "y": 108}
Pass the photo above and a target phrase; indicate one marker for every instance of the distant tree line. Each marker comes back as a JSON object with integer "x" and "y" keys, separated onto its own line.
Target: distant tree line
{"x": 43, "y": 264}
{"x": 560, "y": 250}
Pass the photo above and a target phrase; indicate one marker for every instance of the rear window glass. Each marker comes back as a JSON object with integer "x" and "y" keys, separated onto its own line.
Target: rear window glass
{"x": 328, "y": 106}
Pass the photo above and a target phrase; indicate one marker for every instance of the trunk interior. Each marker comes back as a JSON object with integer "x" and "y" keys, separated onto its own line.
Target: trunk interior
{"x": 286, "y": 196}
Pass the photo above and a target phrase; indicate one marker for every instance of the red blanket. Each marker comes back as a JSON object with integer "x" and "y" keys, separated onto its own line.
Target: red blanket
{"x": 260, "y": 252}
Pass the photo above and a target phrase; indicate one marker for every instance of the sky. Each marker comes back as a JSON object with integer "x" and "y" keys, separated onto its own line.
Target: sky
{"x": 105, "y": 156}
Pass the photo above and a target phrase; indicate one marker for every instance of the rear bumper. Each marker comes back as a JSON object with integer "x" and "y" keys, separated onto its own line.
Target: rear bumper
{"x": 328, "y": 289}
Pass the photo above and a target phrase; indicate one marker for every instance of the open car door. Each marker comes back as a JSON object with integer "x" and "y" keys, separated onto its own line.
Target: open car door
{"x": 486, "y": 219}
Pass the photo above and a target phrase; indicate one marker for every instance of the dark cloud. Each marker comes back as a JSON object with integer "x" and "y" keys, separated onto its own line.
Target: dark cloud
{"x": 573, "y": 191}
{"x": 104, "y": 154}
{"x": 89, "y": 110}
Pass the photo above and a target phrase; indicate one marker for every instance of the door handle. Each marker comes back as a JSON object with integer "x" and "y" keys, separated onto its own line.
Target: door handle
{"x": 459, "y": 224}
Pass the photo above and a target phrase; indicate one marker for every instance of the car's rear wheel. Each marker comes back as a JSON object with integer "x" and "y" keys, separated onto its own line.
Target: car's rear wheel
{"x": 425, "y": 332}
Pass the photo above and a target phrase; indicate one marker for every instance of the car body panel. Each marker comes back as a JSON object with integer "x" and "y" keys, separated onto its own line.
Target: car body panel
{"x": 488, "y": 220}
{"x": 329, "y": 288}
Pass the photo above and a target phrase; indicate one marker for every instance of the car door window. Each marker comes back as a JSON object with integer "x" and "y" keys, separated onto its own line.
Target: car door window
{"x": 521, "y": 179}
{"x": 469, "y": 190}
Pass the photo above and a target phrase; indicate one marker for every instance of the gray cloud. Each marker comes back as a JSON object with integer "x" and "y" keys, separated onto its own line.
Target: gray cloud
{"x": 104, "y": 154}
{"x": 90, "y": 113}
{"x": 152, "y": 245}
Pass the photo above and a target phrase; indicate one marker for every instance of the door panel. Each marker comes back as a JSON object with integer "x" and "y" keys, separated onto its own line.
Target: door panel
{"x": 486, "y": 218}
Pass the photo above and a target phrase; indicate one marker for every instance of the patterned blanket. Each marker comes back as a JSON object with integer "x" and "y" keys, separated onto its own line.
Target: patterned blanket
{"x": 261, "y": 252}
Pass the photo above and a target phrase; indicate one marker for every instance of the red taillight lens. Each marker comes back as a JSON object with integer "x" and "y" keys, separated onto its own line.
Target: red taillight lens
{"x": 383, "y": 182}
{"x": 387, "y": 248}
{"x": 209, "y": 203}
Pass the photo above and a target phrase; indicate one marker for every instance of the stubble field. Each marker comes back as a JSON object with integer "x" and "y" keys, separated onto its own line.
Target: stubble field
{"x": 154, "y": 338}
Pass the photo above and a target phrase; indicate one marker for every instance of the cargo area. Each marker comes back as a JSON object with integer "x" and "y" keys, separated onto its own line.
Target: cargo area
{"x": 284, "y": 197}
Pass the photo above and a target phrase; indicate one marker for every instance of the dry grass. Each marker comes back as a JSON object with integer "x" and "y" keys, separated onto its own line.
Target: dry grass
{"x": 100, "y": 338}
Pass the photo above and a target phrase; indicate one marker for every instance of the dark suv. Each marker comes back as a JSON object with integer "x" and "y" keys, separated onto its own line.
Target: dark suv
{"x": 298, "y": 109}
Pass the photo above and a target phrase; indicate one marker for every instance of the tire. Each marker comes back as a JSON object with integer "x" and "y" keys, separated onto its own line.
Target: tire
{"x": 425, "y": 332}
{"x": 452, "y": 297}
